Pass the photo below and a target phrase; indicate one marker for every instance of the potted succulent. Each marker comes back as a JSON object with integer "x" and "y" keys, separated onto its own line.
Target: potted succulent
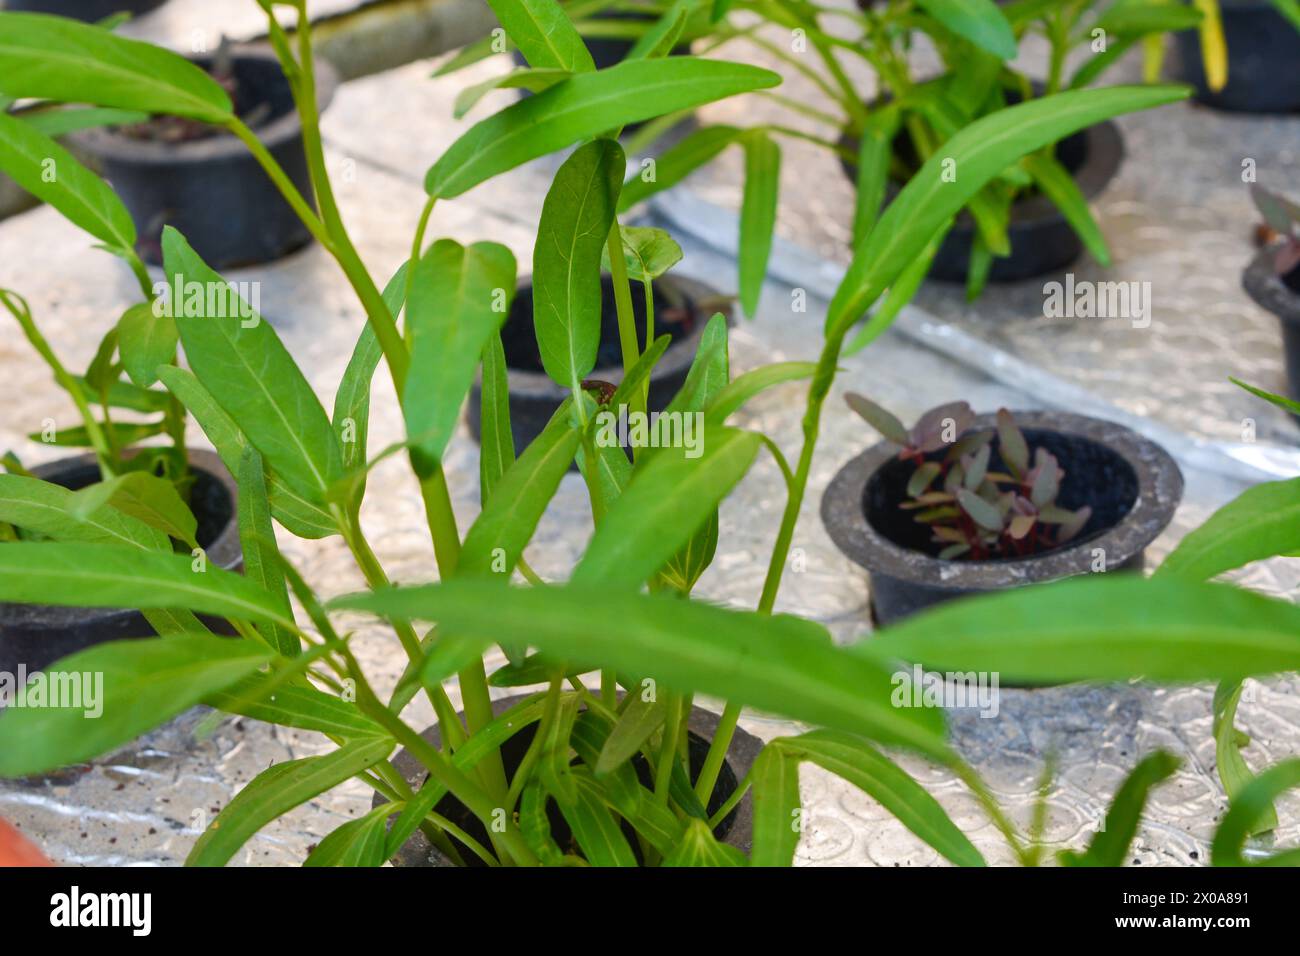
{"x": 1240, "y": 64}
{"x": 621, "y": 651}
{"x": 964, "y": 504}
{"x": 1273, "y": 277}
{"x": 202, "y": 179}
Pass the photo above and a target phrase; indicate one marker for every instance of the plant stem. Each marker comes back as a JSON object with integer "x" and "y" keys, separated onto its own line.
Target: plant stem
{"x": 718, "y": 748}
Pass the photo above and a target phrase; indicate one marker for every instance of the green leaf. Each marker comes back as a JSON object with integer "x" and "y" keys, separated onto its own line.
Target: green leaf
{"x": 125, "y": 395}
{"x": 647, "y": 252}
{"x": 244, "y": 366}
{"x": 544, "y": 34}
{"x": 1109, "y": 846}
{"x": 261, "y": 553}
{"x": 667, "y": 501}
{"x": 1281, "y": 401}
{"x": 757, "y": 216}
{"x": 595, "y": 829}
{"x": 1248, "y": 808}
{"x": 290, "y": 705}
{"x": 699, "y": 847}
{"x": 533, "y": 80}
{"x": 979, "y": 21}
{"x": 146, "y": 341}
{"x": 146, "y": 498}
{"x": 862, "y": 765}
{"x": 1104, "y": 627}
{"x": 459, "y": 298}
{"x": 46, "y": 57}
{"x": 496, "y": 442}
{"x": 1262, "y": 522}
{"x": 145, "y": 683}
{"x": 777, "y": 814}
{"x": 304, "y": 518}
{"x": 535, "y": 825}
{"x": 123, "y": 434}
{"x": 785, "y": 665}
{"x": 978, "y": 153}
{"x": 52, "y": 174}
{"x": 640, "y": 719}
{"x": 729, "y": 399}
{"x": 1139, "y": 19}
{"x": 59, "y": 122}
{"x": 1059, "y": 186}
{"x": 279, "y": 789}
{"x": 52, "y": 510}
{"x": 109, "y": 575}
{"x": 575, "y": 223}
{"x": 710, "y": 369}
{"x": 582, "y": 107}
{"x": 496, "y": 540}
{"x": 1234, "y": 773}
{"x": 678, "y": 162}
{"x": 875, "y": 147}
{"x": 356, "y": 843}
{"x": 663, "y": 36}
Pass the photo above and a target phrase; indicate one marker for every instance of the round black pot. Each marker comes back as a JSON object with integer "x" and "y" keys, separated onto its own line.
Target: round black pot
{"x": 534, "y": 398}
{"x": 1270, "y": 291}
{"x": 736, "y": 829}
{"x": 1132, "y": 485}
{"x": 212, "y": 190}
{"x": 88, "y": 10}
{"x": 1042, "y": 241}
{"x": 1263, "y": 57}
{"x": 36, "y": 635}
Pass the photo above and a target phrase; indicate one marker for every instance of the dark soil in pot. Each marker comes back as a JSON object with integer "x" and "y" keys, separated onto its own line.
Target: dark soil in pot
{"x": 1132, "y": 485}
{"x": 1263, "y": 58}
{"x": 735, "y": 829}
{"x": 210, "y": 187}
{"x": 89, "y": 11}
{"x": 35, "y": 635}
{"x": 1281, "y": 296}
{"x": 1042, "y": 241}
{"x": 682, "y": 308}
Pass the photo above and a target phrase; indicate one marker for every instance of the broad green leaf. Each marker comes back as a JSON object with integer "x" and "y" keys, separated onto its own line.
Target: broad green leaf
{"x": 356, "y": 843}
{"x": 146, "y": 498}
{"x": 977, "y": 154}
{"x": 109, "y": 575}
{"x": 582, "y": 107}
{"x": 1109, "y": 846}
{"x": 544, "y": 34}
{"x": 51, "y": 510}
{"x": 575, "y": 222}
{"x": 244, "y": 366}
{"x": 647, "y": 252}
{"x": 261, "y": 553}
{"x": 699, "y": 847}
{"x": 46, "y": 57}
{"x": 50, "y": 173}
{"x": 145, "y": 341}
{"x": 144, "y": 683}
{"x": 979, "y": 21}
{"x": 279, "y": 789}
{"x": 459, "y": 297}
{"x": 640, "y": 719}
{"x": 677, "y": 162}
{"x": 710, "y": 370}
{"x": 533, "y": 80}
{"x": 757, "y": 215}
{"x": 728, "y": 400}
{"x": 854, "y": 760}
{"x": 496, "y": 540}
{"x": 304, "y": 518}
{"x": 1103, "y": 627}
{"x": 1248, "y": 808}
{"x": 496, "y": 441}
{"x": 1059, "y": 186}
{"x": 785, "y": 665}
{"x": 290, "y": 705}
{"x": 667, "y": 500}
{"x": 1262, "y": 522}
{"x": 1227, "y": 748}
{"x": 777, "y": 814}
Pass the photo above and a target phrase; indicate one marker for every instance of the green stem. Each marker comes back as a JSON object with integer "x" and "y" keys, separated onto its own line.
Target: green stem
{"x": 718, "y": 747}
{"x": 668, "y": 748}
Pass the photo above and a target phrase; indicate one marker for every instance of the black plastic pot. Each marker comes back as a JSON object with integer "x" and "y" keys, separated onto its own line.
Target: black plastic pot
{"x": 1263, "y": 57}
{"x": 36, "y": 635}
{"x": 1132, "y": 485}
{"x": 88, "y": 10}
{"x": 1042, "y": 241}
{"x": 736, "y": 829}
{"x": 1282, "y": 298}
{"x": 212, "y": 190}
{"x": 534, "y": 398}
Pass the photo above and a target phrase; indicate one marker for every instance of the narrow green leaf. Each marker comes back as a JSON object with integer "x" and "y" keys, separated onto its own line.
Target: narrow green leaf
{"x": 290, "y": 705}
{"x": 1248, "y": 808}
{"x": 1262, "y": 522}
{"x": 261, "y": 553}
{"x": 875, "y": 148}
{"x": 677, "y": 162}
{"x": 533, "y": 80}
{"x": 51, "y": 510}
{"x": 1109, "y": 846}
{"x": 144, "y": 497}
{"x": 356, "y": 843}
{"x": 544, "y": 34}
{"x": 496, "y": 441}
{"x": 59, "y": 122}
{"x": 758, "y": 216}
{"x": 594, "y": 828}
{"x": 640, "y": 719}
{"x": 1233, "y": 772}
{"x": 728, "y": 400}
{"x": 777, "y": 813}
{"x": 979, "y": 21}
{"x": 144, "y": 683}
{"x": 699, "y": 847}
{"x": 123, "y": 434}
{"x": 1059, "y": 186}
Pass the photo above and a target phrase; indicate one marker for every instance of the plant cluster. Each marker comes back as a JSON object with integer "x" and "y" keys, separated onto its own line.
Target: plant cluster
{"x": 972, "y": 509}
{"x": 1282, "y": 224}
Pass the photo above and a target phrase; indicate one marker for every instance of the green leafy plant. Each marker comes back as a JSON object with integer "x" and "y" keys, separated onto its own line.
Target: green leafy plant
{"x": 973, "y": 509}
{"x": 626, "y": 613}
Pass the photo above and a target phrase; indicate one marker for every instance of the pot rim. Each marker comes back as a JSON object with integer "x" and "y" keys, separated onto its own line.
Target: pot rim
{"x": 1265, "y": 286}
{"x": 224, "y": 551}
{"x": 676, "y": 358}
{"x": 104, "y": 143}
{"x": 1160, "y": 488}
